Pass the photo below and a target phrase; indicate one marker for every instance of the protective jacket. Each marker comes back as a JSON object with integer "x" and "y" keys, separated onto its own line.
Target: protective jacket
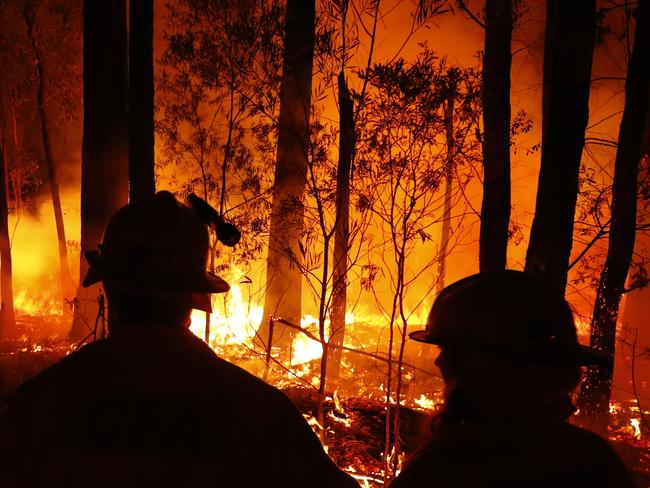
{"x": 537, "y": 451}
{"x": 157, "y": 407}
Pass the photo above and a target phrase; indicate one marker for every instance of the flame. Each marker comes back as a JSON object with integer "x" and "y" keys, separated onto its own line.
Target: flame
{"x": 234, "y": 320}
{"x": 636, "y": 425}
{"x": 231, "y": 321}
{"x": 28, "y": 303}
{"x": 424, "y": 402}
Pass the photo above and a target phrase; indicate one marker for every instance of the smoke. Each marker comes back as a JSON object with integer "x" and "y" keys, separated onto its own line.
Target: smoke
{"x": 35, "y": 255}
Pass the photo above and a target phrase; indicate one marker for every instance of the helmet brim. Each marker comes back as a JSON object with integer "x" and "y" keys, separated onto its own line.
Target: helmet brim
{"x": 577, "y": 355}
{"x": 423, "y": 336}
{"x": 153, "y": 281}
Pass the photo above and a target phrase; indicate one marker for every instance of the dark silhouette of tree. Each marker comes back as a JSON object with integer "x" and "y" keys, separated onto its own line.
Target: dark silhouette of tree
{"x": 342, "y": 228}
{"x": 495, "y": 209}
{"x": 348, "y": 115}
{"x": 141, "y": 103}
{"x": 29, "y": 17}
{"x": 284, "y": 278}
{"x": 7, "y": 317}
{"x": 448, "y": 104}
{"x": 568, "y": 49}
{"x": 597, "y": 385}
{"x": 104, "y": 172}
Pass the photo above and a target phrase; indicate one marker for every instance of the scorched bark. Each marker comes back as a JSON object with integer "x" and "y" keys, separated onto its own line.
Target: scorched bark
{"x": 284, "y": 278}
{"x": 495, "y": 209}
{"x": 597, "y": 385}
{"x": 141, "y": 101}
{"x": 569, "y": 44}
{"x": 104, "y": 172}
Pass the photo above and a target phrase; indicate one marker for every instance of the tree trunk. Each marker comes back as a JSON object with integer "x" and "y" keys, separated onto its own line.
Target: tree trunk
{"x": 53, "y": 179}
{"x": 597, "y": 384}
{"x": 495, "y": 209}
{"x": 342, "y": 231}
{"x": 568, "y": 50}
{"x": 104, "y": 167}
{"x": 449, "y": 183}
{"x": 283, "y": 274}
{"x": 7, "y": 317}
{"x": 141, "y": 101}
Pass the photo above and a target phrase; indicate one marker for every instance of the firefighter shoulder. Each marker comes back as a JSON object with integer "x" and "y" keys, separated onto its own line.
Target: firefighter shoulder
{"x": 153, "y": 405}
{"x": 510, "y": 358}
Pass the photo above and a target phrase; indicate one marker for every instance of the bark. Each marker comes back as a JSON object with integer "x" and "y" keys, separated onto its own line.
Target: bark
{"x": 449, "y": 183}
{"x": 568, "y": 50}
{"x": 597, "y": 384}
{"x": 7, "y": 316}
{"x": 342, "y": 230}
{"x": 284, "y": 278}
{"x": 141, "y": 101}
{"x": 104, "y": 167}
{"x": 53, "y": 179}
{"x": 495, "y": 209}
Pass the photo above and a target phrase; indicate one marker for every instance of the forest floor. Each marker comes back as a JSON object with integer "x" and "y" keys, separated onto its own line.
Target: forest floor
{"x": 356, "y": 430}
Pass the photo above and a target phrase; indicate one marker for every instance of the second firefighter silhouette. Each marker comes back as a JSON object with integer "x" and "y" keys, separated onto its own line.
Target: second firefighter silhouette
{"x": 152, "y": 405}
{"x": 509, "y": 358}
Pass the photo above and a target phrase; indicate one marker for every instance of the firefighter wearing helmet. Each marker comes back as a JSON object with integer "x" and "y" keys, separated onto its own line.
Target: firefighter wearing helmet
{"x": 152, "y": 405}
{"x": 510, "y": 359}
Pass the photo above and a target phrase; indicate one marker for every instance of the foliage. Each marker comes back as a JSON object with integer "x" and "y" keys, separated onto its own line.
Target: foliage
{"x": 419, "y": 132}
{"x": 56, "y": 23}
{"x": 402, "y": 156}
{"x": 216, "y": 107}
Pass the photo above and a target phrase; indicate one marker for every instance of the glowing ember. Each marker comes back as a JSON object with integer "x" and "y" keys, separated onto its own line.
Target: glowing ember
{"x": 636, "y": 425}
{"x": 614, "y": 407}
{"x": 424, "y": 402}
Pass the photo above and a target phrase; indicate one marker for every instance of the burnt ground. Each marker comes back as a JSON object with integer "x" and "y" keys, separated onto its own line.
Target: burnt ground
{"x": 357, "y": 428}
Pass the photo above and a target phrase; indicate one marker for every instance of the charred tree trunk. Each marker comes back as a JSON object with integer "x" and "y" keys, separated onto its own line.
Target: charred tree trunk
{"x": 495, "y": 209}
{"x": 568, "y": 50}
{"x": 449, "y": 183}
{"x": 342, "y": 230}
{"x": 284, "y": 262}
{"x": 141, "y": 101}
{"x": 7, "y": 316}
{"x": 104, "y": 167}
{"x": 597, "y": 384}
{"x": 53, "y": 179}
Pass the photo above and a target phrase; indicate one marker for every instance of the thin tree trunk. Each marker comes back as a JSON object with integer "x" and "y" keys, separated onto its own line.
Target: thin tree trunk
{"x": 597, "y": 385}
{"x": 284, "y": 278}
{"x": 568, "y": 50}
{"x": 141, "y": 101}
{"x": 495, "y": 209}
{"x": 449, "y": 182}
{"x": 7, "y": 317}
{"x": 104, "y": 167}
{"x": 64, "y": 271}
{"x": 342, "y": 231}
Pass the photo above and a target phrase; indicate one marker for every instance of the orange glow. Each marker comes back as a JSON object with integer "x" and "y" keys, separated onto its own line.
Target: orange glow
{"x": 27, "y": 303}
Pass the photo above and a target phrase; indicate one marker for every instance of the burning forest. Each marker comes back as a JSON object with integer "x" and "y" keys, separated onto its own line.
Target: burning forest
{"x": 345, "y": 162}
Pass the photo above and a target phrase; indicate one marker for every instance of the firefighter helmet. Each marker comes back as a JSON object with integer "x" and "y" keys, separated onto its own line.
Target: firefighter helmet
{"x": 156, "y": 246}
{"x": 508, "y": 313}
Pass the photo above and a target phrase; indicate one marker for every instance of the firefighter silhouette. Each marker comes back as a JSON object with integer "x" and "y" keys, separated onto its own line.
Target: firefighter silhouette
{"x": 152, "y": 405}
{"x": 510, "y": 358}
